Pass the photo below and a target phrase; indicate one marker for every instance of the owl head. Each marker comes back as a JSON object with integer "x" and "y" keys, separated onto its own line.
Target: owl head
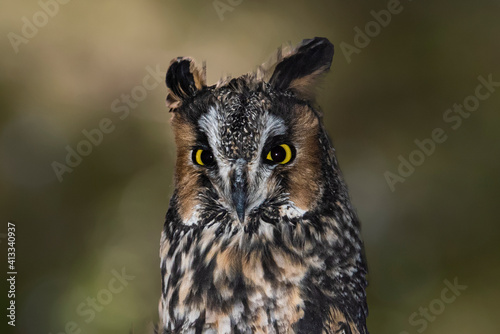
{"x": 250, "y": 143}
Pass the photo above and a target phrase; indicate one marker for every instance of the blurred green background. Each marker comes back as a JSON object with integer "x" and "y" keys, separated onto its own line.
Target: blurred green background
{"x": 80, "y": 62}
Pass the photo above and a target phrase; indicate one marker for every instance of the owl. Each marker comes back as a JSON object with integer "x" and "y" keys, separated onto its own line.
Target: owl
{"x": 260, "y": 235}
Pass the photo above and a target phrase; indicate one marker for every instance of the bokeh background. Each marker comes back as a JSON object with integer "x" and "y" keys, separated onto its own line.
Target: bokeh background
{"x": 78, "y": 67}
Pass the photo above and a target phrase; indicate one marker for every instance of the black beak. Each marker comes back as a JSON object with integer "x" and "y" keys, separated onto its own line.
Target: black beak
{"x": 239, "y": 188}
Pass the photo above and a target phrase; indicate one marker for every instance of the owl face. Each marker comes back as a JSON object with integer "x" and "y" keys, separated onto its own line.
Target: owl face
{"x": 247, "y": 143}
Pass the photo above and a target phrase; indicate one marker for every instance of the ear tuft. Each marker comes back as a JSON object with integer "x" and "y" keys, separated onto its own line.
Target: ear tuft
{"x": 300, "y": 71}
{"x": 183, "y": 80}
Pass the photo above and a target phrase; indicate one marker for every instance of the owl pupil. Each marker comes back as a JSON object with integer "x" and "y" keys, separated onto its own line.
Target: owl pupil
{"x": 207, "y": 157}
{"x": 278, "y": 154}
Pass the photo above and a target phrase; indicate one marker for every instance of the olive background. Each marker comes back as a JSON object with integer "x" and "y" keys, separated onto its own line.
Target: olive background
{"x": 106, "y": 216}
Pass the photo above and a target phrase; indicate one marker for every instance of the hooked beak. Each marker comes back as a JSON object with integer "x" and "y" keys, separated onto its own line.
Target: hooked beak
{"x": 239, "y": 188}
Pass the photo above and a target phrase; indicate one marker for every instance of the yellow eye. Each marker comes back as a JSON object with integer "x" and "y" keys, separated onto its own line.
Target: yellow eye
{"x": 281, "y": 154}
{"x": 203, "y": 157}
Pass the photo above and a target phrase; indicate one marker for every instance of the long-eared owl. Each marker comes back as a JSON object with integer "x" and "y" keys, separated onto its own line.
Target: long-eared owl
{"x": 260, "y": 235}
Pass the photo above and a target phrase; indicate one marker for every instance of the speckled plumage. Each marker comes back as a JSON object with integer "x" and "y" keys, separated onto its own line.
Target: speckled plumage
{"x": 283, "y": 255}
